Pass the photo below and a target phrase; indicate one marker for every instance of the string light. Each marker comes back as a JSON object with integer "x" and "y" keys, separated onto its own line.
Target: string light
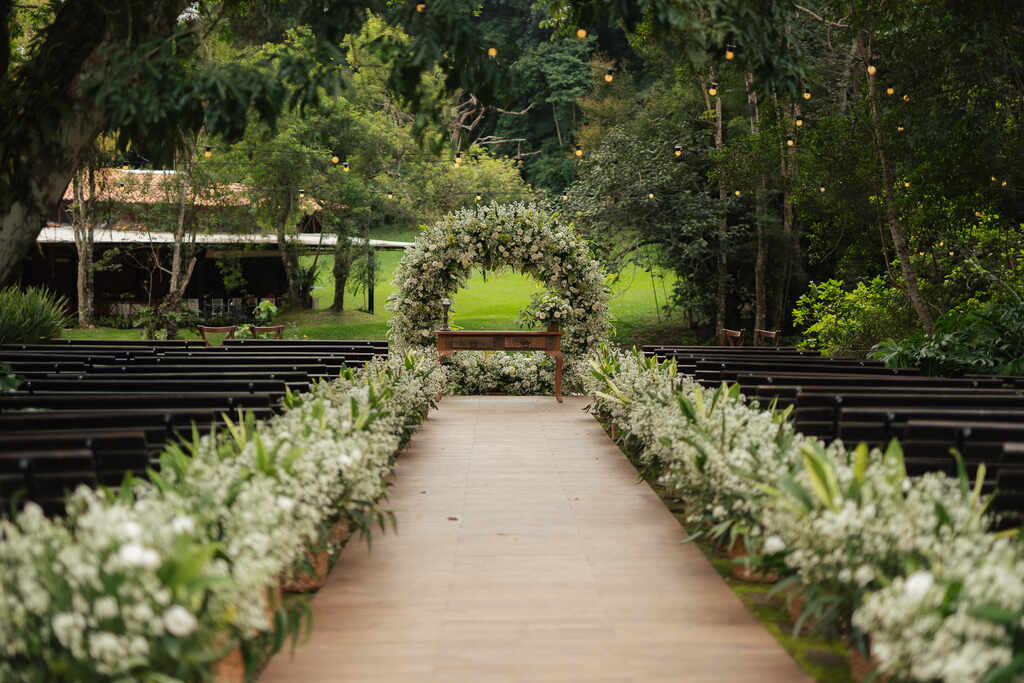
{"x": 729, "y": 55}
{"x": 890, "y": 91}
{"x": 993, "y": 179}
{"x": 335, "y": 159}
{"x": 799, "y": 122}
{"x": 942, "y": 243}
{"x": 421, "y": 7}
{"x": 713, "y": 89}
{"x": 678, "y": 150}
{"x": 125, "y": 167}
{"x": 581, "y": 33}
{"x": 906, "y": 97}
{"x": 478, "y": 196}
{"x": 302, "y": 194}
{"x": 345, "y": 167}
{"x": 609, "y": 77}
{"x": 899, "y": 128}
{"x": 872, "y": 70}
{"x": 565, "y": 197}
{"x": 208, "y": 152}
{"x": 391, "y": 195}
{"x": 790, "y": 142}
{"x": 821, "y": 189}
{"x": 120, "y": 186}
{"x": 737, "y": 193}
{"x": 807, "y": 94}
{"x": 458, "y": 159}
{"x": 951, "y": 253}
{"x": 492, "y": 52}
{"x": 650, "y": 195}
{"x": 921, "y": 253}
{"x": 906, "y": 183}
{"x": 579, "y": 150}
{"x": 1003, "y": 183}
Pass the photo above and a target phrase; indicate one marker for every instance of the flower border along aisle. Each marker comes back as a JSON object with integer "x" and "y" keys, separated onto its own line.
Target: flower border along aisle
{"x": 159, "y": 580}
{"x": 524, "y": 238}
{"x": 903, "y": 566}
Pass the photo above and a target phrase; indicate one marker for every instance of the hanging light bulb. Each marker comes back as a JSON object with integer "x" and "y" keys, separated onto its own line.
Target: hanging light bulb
{"x": 799, "y": 122}
{"x": 120, "y": 186}
{"x": 581, "y": 33}
{"x": 790, "y": 142}
{"x": 421, "y": 7}
{"x": 390, "y": 195}
{"x": 951, "y": 253}
{"x": 478, "y": 196}
{"x": 678, "y": 150}
{"x": 492, "y": 52}
{"x": 713, "y": 89}
{"x": 977, "y": 214}
{"x": 821, "y": 189}
{"x": 125, "y": 166}
{"x": 458, "y": 159}
{"x": 906, "y": 97}
{"x": 335, "y": 159}
{"x": 899, "y": 128}
{"x": 302, "y": 194}
{"x": 729, "y": 55}
{"x": 890, "y": 91}
{"x": 609, "y": 77}
{"x": 942, "y": 243}
{"x": 345, "y": 167}
{"x": 207, "y": 153}
{"x": 906, "y": 183}
{"x": 872, "y": 70}
{"x": 565, "y": 197}
{"x": 993, "y": 179}
{"x": 737, "y": 193}
{"x": 921, "y": 253}
{"x": 807, "y": 94}
{"x": 1003, "y": 183}
{"x": 650, "y": 195}
{"x": 579, "y": 150}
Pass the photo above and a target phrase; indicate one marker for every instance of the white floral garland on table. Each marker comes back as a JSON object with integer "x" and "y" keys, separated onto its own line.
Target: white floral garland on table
{"x": 517, "y": 236}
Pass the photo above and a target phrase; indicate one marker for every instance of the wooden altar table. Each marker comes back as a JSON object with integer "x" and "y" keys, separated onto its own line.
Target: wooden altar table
{"x": 549, "y": 341}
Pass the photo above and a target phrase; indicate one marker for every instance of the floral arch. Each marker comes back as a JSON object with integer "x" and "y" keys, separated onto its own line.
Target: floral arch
{"x": 517, "y": 236}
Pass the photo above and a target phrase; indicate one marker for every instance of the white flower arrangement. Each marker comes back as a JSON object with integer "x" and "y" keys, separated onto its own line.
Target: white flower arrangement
{"x": 517, "y": 236}
{"x": 907, "y": 561}
{"x": 161, "y": 578}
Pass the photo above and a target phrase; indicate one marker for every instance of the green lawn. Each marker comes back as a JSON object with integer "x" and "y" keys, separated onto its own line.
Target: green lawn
{"x": 493, "y": 303}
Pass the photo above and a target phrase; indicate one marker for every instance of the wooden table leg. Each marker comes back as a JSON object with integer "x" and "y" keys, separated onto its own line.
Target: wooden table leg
{"x": 558, "y": 376}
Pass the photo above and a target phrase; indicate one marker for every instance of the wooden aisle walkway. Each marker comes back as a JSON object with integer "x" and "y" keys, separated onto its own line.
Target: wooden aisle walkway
{"x": 527, "y": 551}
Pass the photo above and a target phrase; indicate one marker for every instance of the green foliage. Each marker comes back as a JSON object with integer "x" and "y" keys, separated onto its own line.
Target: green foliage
{"x": 8, "y": 380}
{"x": 987, "y": 339}
{"x": 264, "y": 312}
{"x": 837, "y": 321}
{"x": 158, "y": 322}
{"x": 32, "y": 315}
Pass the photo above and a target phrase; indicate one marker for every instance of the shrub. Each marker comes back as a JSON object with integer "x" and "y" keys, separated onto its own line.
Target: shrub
{"x": 988, "y": 338}
{"x": 836, "y": 321}
{"x": 31, "y": 315}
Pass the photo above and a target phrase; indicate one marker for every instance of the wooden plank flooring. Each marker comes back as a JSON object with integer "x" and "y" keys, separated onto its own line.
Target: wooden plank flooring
{"x": 527, "y": 551}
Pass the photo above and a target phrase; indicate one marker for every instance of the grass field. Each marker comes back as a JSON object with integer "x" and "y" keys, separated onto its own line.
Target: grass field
{"x": 491, "y": 303}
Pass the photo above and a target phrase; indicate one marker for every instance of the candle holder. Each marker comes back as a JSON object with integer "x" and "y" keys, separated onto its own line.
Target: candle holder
{"x": 445, "y": 303}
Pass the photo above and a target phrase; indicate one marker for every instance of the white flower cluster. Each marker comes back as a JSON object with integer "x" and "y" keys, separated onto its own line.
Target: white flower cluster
{"x": 908, "y": 561}
{"x": 126, "y": 583}
{"x": 515, "y": 236}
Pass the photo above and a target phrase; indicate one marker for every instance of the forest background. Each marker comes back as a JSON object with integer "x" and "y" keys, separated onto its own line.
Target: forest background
{"x": 846, "y": 171}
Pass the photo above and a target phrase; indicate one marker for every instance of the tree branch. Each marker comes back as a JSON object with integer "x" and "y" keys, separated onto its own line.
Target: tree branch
{"x": 827, "y": 22}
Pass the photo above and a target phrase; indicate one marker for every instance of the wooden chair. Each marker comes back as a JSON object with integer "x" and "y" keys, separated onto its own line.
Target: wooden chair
{"x": 767, "y": 337}
{"x": 730, "y": 337}
{"x": 229, "y": 330}
{"x": 276, "y": 330}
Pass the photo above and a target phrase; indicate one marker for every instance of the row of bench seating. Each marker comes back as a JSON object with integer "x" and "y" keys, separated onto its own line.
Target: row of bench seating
{"x": 862, "y": 400}
{"x": 91, "y": 411}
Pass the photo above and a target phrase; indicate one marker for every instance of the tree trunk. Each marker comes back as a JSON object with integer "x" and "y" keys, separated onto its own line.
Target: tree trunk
{"x": 760, "y": 291}
{"x": 899, "y": 241}
{"x": 83, "y": 224}
{"x": 180, "y": 273}
{"x": 723, "y": 223}
{"x": 790, "y": 244}
{"x": 288, "y": 256}
{"x": 344, "y": 255}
